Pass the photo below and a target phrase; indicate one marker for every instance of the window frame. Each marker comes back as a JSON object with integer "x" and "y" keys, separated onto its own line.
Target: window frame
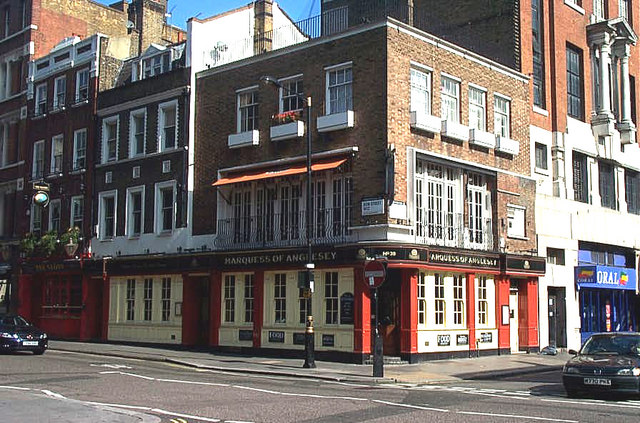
{"x": 579, "y": 165}
{"x": 73, "y": 217}
{"x": 632, "y": 191}
{"x": 575, "y": 82}
{"x": 331, "y": 298}
{"x": 446, "y": 112}
{"x": 482, "y": 301}
{"x": 458, "y": 287}
{"x": 159, "y": 209}
{"x": 40, "y": 107}
{"x": 516, "y": 214}
{"x": 229, "y": 298}
{"x": 55, "y": 215}
{"x": 134, "y": 132}
{"x": 77, "y": 157}
{"x": 57, "y": 160}
{"x": 59, "y": 92}
{"x": 162, "y": 128}
{"x": 342, "y": 91}
{"x": 439, "y": 300}
{"x": 251, "y": 121}
{"x": 481, "y": 106}
{"x": 249, "y": 297}
{"x": 112, "y": 121}
{"x": 607, "y": 186}
{"x": 102, "y": 196}
{"x": 130, "y": 300}
{"x": 36, "y": 218}
{"x": 82, "y": 87}
{"x": 502, "y": 115}
{"x": 541, "y": 156}
{"x": 130, "y": 217}
{"x": 280, "y": 298}
{"x": 287, "y": 94}
{"x": 166, "y": 299}
{"x": 422, "y": 300}
{"x": 147, "y": 290}
{"x": 421, "y": 94}
{"x": 38, "y": 164}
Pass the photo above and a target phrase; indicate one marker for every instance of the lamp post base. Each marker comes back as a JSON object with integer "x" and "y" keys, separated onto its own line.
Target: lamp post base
{"x": 309, "y": 345}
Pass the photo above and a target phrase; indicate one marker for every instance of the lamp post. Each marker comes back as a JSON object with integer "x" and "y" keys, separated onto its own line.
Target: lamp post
{"x": 309, "y": 337}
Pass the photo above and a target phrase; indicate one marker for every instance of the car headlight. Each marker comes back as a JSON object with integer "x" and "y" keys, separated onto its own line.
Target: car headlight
{"x": 8, "y": 335}
{"x": 43, "y": 336}
{"x": 571, "y": 370}
{"x": 629, "y": 372}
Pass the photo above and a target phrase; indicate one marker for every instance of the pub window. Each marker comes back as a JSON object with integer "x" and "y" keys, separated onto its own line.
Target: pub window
{"x": 331, "y": 297}
{"x": 422, "y": 299}
{"x": 439, "y": 300}
{"x": 248, "y": 298}
{"x": 229, "y": 298}
{"x": 166, "y": 299}
{"x": 280, "y": 296}
{"x": 458, "y": 299}
{"x": 483, "y": 305}
{"x": 131, "y": 299}
{"x": 148, "y": 299}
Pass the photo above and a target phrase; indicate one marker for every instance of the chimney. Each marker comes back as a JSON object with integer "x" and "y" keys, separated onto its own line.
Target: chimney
{"x": 263, "y": 32}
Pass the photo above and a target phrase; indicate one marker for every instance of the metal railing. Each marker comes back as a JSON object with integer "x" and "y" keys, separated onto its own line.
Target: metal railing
{"x": 453, "y": 230}
{"x": 329, "y": 226}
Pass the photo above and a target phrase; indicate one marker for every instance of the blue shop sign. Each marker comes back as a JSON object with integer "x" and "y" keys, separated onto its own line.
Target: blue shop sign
{"x": 605, "y": 277}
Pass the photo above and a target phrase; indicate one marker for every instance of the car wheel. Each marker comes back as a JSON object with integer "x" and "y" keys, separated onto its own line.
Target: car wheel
{"x": 39, "y": 351}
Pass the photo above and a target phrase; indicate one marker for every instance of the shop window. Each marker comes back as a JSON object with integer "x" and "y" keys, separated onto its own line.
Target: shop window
{"x": 62, "y": 296}
{"x": 422, "y": 299}
{"x": 483, "y": 304}
{"x": 458, "y": 300}
{"x": 331, "y": 297}
{"x": 131, "y": 299}
{"x": 555, "y": 256}
{"x": 248, "y": 298}
{"x": 229, "y": 298}
{"x": 439, "y": 309}
{"x": 280, "y": 296}
{"x": 166, "y": 299}
{"x": 148, "y": 299}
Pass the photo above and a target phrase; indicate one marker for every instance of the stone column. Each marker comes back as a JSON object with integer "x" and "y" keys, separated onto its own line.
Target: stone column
{"x": 626, "y": 126}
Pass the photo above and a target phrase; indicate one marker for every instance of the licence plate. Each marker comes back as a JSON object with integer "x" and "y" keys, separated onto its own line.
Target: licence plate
{"x": 597, "y": 381}
{"x": 30, "y": 343}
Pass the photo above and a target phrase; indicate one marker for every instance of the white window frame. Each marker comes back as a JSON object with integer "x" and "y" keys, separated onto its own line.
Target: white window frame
{"x": 280, "y": 302}
{"x": 339, "y": 93}
{"x": 244, "y": 123}
{"x": 421, "y": 90}
{"x": 156, "y": 64}
{"x": 162, "y": 108}
{"x": 133, "y": 131}
{"x": 624, "y": 9}
{"x": 459, "y": 302}
{"x": 57, "y": 146}
{"x": 105, "y": 142}
{"x": 477, "y": 108}
{"x": 450, "y": 98}
{"x": 488, "y": 300}
{"x": 55, "y": 205}
{"x": 422, "y": 300}
{"x": 129, "y": 221}
{"x": 82, "y": 87}
{"x": 516, "y": 221}
{"x": 101, "y": 214}
{"x": 4, "y": 144}
{"x": 331, "y": 284}
{"x": 78, "y": 199}
{"x": 79, "y": 151}
{"x": 37, "y": 168}
{"x": 41, "y": 100}
{"x": 229, "y": 296}
{"x": 59, "y": 92}
{"x": 289, "y": 95}
{"x": 248, "y": 302}
{"x": 158, "y": 207}
{"x": 502, "y": 116}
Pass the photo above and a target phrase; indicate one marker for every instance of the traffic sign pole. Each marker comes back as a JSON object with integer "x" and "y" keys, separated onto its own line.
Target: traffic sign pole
{"x": 375, "y": 274}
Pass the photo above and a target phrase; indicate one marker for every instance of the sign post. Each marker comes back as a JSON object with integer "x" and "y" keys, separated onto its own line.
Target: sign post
{"x": 375, "y": 274}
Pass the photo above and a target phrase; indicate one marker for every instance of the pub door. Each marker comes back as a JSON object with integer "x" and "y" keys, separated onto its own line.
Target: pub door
{"x": 203, "y": 287}
{"x": 389, "y": 312}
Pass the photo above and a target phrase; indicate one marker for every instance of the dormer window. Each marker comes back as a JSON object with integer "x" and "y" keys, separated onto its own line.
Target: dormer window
{"x": 156, "y": 65}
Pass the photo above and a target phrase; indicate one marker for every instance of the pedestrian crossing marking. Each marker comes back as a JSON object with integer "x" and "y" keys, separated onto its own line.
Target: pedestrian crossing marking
{"x": 178, "y": 420}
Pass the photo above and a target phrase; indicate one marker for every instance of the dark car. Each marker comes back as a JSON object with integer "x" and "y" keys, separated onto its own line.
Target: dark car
{"x": 607, "y": 362}
{"x": 16, "y": 334}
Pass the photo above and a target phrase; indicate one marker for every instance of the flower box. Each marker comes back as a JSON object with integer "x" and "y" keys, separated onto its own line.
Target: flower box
{"x": 287, "y": 131}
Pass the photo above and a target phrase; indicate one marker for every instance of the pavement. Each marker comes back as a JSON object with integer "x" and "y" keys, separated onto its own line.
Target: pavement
{"x": 430, "y": 372}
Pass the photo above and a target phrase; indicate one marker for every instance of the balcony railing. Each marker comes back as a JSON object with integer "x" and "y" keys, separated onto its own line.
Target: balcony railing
{"x": 454, "y": 230}
{"x": 330, "y": 226}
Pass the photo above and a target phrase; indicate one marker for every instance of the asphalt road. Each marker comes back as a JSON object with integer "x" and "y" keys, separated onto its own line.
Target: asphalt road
{"x": 70, "y": 387}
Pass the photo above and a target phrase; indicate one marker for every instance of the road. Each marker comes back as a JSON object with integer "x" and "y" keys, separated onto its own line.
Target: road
{"x": 70, "y": 387}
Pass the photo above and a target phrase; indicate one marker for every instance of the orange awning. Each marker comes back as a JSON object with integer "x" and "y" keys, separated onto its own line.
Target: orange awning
{"x": 278, "y": 172}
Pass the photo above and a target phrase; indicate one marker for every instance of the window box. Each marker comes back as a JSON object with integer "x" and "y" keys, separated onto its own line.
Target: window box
{"x": 424, "y": 122}
{"x": 455, "y": 130}
{"x": 482, "y": 138}
{"x": 507, "y": 145}
{"x": 335, "y": 121}
{"x": 244, "y": 139}
{"x": 287, "y": 131}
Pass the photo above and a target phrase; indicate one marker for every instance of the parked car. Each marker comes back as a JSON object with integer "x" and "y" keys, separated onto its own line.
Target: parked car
{"x": 607, "y": 362}
{"x": 16, "y": 334}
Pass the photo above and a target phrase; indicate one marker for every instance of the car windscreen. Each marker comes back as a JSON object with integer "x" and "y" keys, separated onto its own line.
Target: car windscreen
{"x": 21, "y": 322}
{"x": 612, "y": 344}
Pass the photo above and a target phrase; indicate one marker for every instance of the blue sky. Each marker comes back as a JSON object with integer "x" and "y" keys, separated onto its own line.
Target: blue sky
{"x": 181, "y": 10}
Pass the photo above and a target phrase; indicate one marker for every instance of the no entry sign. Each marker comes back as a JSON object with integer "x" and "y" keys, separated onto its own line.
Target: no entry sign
{"x": 374, "y": 273}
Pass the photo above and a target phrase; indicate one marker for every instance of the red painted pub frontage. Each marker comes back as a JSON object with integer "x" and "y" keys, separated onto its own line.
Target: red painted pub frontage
{"x": 434, "y": 303}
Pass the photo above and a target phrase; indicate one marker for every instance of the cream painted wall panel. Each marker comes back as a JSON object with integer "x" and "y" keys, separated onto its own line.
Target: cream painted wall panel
{"x": 168, "y": 334}
{"x": 428, "y": 341}
{"x": 229, "y": 336}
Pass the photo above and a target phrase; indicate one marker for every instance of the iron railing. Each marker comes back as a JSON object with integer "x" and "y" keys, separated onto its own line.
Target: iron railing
{"x": 329, "y": 226}
{"x": 453, "y": 230}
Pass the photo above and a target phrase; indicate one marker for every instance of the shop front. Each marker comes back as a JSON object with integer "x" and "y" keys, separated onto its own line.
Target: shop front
{"x": 608, "y": 299}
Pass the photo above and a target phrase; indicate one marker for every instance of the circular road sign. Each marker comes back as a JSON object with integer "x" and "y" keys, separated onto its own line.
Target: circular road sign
{"x": 374, "y": 273}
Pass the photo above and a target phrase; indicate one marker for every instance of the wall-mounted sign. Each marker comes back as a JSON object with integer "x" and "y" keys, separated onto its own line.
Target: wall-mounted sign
{"x": 462, "y": 339}
{"x": 486, "y": 337}
{"x": 606, "y": 277}
{"x": 464, "y": 260}
{"x": 444, "y": 340}
{"x": 296, "y": 257}
{"x": 298, "y": 338}
{"x": 372, "y": 206}
{"x": 245, "y": 335}
{"x": 276, "y": 336}
{"x": 525, "y": 264}
{"x": 346, "y": 309}
{"x": 398, "y": 210}
{"x": 327, "y": 340}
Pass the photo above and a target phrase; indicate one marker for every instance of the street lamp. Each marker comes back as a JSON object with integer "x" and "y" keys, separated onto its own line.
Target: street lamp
{"x": 309, "y": 342}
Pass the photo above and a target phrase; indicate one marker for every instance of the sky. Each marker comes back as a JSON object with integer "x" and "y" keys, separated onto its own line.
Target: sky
{"x": 181, "y": 10}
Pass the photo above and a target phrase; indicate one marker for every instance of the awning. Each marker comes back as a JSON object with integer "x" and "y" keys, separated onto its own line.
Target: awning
{"x": 279, "y": 172}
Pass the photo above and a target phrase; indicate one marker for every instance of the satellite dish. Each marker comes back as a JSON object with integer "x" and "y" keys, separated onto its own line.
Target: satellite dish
{"x": 130, "y": 25}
